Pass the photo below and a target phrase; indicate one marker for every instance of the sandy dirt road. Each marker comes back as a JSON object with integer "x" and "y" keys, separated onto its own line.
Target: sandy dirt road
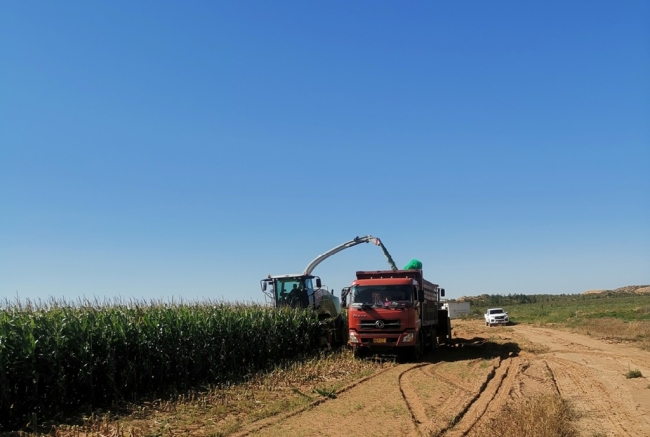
{"x": 456, "y": 391}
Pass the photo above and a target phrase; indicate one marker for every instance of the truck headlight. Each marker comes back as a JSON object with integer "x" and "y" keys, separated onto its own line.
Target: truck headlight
{"x": 408, "y": 338}
{"x": 353, "y": 338}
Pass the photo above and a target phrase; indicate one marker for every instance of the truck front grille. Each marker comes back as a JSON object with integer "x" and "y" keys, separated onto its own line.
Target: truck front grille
{"x": 372, "y": 324}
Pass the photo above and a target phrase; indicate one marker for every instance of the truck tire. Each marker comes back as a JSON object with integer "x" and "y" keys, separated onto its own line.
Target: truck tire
{"x": 359, "y": 353}
{"x": 344, "y": 334}
{"x": 434, "y": 341}
{"x": 414, "y": 353}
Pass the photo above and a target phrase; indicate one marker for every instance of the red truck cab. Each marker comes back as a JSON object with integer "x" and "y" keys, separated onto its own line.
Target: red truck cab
{"x": 394, "y": 311}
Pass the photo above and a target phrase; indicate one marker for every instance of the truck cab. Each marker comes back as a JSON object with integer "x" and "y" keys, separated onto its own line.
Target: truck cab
{"x": 393, "y": 312}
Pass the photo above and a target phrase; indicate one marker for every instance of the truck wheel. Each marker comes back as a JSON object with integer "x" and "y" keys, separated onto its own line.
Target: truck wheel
{"x": 418, "y": 350}
{"x": 434, "y": 341}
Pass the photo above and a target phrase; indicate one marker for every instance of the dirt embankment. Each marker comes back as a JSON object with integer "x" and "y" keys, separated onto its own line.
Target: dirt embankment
{"x": 461, "y": 390}
{"x": 629, "y": 289}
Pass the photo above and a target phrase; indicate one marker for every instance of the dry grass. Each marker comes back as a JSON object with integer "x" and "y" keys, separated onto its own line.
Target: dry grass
{"x": 541, "y": 416}
{"x": 220, "y": 411}
{"x": 617, "y": 330}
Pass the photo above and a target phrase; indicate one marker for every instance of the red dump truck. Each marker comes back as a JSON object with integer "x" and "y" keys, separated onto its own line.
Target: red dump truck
{"x": 395, "y": 311}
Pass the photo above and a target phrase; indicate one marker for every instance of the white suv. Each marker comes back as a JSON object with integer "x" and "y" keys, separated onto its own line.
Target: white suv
{"x": 496, "y": 316}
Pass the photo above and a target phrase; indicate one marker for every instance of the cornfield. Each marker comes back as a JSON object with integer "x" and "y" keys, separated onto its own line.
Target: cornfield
{"x": 58, "y": 359}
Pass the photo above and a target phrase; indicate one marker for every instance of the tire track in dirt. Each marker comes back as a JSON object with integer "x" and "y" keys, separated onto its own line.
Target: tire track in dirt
{"x": 575, "y": 383}
{"x": 412, "y": 384}
{"x": 418, "y": 413}
{"x": 552, "y": 375}
{"x": 491, "y": 408}
{"x": 426, "y": 410}
{"x": 452, "y": 379}
{"x": 589, "y": 373}
{"x": 498, "y": 380}
{"x": 463, "y": 406}
{"x": 369, "y": 409}
{"x": 257, "y": 426}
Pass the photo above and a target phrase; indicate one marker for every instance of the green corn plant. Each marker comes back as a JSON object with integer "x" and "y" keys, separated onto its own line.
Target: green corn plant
{"x": 58, "y": 358}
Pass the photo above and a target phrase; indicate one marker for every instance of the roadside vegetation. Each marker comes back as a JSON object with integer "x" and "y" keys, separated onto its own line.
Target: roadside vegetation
{"x": 612, "y": 316}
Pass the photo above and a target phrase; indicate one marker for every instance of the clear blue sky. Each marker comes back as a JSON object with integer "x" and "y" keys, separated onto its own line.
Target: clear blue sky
{"x": 158, "y": 149}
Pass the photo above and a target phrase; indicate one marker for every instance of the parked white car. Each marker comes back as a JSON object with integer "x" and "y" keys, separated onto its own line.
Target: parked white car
{"x": 496, "y": 316}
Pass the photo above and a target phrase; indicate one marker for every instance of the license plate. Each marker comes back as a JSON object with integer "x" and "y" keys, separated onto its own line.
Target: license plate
{"x": 379, "y": 340}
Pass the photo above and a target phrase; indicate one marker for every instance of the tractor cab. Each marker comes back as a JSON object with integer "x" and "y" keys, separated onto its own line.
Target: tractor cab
{"x": 301, "y": 291}
{"x": 296, "y": 291}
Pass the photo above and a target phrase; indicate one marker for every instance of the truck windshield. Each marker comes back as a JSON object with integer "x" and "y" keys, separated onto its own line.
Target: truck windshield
{"x": 382, "y": 295}
{"x": 497, "y": 311}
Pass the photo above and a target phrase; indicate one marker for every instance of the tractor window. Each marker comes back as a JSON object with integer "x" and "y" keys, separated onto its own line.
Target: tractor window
{"x": 308, "y": 286}
{"x": 286, "y": 286}
{"x": 294, "y": 292}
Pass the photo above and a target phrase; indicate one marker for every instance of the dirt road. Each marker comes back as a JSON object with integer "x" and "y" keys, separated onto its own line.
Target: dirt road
{"x": 457, "y": 390}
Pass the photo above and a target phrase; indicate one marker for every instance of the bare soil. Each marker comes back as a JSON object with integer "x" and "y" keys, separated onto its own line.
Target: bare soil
{"x": 460, "y": 390}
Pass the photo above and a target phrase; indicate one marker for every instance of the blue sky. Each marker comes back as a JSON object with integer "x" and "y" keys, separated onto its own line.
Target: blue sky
{"x": 159, "y": 149}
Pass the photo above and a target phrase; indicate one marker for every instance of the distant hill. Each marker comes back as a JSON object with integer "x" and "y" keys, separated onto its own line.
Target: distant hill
{"x": 514, "y": 299}
{"x": 630, "y": 289}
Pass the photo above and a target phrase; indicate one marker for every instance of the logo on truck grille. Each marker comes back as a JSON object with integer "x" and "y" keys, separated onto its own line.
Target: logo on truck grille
{"x": 379, "y": 324}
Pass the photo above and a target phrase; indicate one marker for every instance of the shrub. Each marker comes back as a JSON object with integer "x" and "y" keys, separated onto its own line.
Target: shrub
{"x": 633, "y": 373}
